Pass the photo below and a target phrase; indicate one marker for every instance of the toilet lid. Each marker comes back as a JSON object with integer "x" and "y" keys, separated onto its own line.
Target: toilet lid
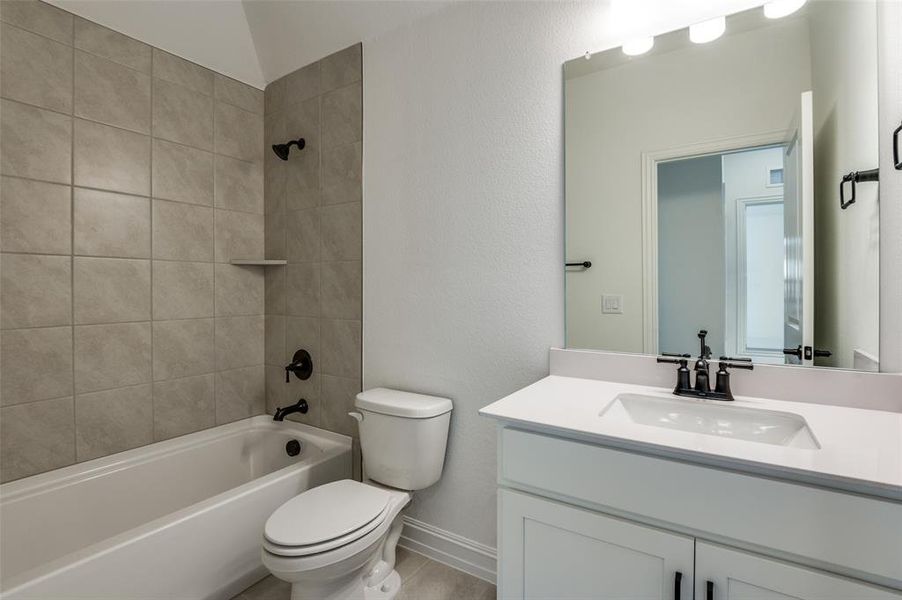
{"x": 326, "y": 512}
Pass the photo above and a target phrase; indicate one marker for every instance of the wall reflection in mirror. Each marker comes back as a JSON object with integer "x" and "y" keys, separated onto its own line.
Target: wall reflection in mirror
{"x": 703, "y": 184}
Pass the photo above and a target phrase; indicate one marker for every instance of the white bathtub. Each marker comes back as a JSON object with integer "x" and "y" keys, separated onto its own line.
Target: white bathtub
{"x": 176, "y": 519}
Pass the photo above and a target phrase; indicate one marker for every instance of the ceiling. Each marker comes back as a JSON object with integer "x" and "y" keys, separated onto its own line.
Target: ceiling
{"x": 254, "y": 41}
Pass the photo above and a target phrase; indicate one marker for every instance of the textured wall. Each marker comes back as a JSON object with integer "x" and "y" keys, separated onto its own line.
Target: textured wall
{"x": 130, "y": 177}
{"x": 313, "y": 203}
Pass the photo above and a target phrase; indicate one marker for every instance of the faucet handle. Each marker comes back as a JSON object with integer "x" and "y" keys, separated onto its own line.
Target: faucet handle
{"x": 744, "y": 363}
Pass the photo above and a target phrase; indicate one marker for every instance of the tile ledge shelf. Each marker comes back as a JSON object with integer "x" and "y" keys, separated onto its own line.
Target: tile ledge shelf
{"x": 259, "y": 262}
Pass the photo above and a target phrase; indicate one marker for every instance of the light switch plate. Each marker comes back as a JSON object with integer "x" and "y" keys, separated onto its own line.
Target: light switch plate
{"x": 612, "y": 304}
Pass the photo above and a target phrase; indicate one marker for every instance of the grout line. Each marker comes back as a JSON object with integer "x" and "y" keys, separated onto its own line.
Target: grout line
{"x": 153, "y": 400}
{"x": 72, "y": 251}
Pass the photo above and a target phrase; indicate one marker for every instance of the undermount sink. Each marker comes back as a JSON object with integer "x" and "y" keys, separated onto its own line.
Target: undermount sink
{"x": 712, "y": 417}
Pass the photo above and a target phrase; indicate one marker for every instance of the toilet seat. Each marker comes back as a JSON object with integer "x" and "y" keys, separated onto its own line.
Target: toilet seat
{"x": 326, "y": 517}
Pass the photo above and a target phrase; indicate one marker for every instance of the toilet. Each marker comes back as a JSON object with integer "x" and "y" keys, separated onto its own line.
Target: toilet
{"x": 338, "y": 540}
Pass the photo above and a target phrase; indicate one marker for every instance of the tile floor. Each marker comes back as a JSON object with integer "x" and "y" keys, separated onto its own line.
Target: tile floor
{"x": 421, "y": 579}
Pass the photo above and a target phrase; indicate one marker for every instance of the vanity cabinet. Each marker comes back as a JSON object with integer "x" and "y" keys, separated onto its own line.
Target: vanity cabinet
{"x": 551, "y": 550}
{"x": 582, "y": 520}
{"x": 727, "y": 574}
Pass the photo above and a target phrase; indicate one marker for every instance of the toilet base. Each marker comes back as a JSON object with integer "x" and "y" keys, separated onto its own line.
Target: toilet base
{"x": 387, "y": 590}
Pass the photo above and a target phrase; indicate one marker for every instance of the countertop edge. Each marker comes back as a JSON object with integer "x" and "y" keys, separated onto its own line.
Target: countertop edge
{"x": 869, "y": 489}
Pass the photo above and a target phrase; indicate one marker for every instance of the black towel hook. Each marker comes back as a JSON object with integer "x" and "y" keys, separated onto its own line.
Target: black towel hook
{"x": 855, "y": 177}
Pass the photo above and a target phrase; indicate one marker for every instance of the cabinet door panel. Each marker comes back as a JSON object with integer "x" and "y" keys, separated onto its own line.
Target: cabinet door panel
{"x": 740, "y": 575}
{"x": 550, "y": 550}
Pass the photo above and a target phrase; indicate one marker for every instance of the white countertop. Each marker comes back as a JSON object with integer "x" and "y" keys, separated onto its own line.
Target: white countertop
{"x": 861, "y": 450}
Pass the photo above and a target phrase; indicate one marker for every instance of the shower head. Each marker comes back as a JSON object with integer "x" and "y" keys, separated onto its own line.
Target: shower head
{"x": 282, "y": 150}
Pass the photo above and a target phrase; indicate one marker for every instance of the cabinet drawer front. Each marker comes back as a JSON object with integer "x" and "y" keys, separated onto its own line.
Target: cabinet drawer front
{"x": 858, "y": 536}
{"x": 736, "y": 575}
{"x": 551, "y": 550}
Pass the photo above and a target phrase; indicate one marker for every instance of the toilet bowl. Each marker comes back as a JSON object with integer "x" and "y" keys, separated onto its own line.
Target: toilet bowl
{"x": 338, "y": 541}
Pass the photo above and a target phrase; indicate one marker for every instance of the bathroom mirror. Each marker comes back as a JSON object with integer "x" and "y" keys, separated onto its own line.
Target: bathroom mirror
{"x": 703, "y": 190}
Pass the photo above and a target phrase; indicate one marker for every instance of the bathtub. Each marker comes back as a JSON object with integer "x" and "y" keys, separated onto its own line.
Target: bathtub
{"x": 176, "y": 519}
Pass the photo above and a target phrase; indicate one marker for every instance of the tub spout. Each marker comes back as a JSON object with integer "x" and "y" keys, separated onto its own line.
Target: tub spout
{"x": 298, "y": 407}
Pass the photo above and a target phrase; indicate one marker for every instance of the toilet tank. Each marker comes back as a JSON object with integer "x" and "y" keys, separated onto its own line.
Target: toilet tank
{"x": 402, "y": 437}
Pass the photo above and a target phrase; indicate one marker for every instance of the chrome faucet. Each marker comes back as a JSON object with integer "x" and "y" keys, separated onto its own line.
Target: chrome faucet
{"x": 702, "y": 388}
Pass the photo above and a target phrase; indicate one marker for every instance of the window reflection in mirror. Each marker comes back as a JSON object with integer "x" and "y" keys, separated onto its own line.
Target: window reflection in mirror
{"x": 702, "y": 182}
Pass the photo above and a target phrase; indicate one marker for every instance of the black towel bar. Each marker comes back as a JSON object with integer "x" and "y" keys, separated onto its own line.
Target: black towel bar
{"x": 855, "y": 177}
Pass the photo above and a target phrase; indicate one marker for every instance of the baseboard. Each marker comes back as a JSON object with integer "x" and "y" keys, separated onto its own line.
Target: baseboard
{"x": 449, "y": 548}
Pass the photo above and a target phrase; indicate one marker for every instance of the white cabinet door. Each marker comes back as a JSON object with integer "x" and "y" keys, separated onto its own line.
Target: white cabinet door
{"x": 550, "y": 550}
{"x": 726, "y": 574}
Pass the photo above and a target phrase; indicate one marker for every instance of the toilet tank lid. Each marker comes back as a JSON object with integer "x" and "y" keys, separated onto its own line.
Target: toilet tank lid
{"x": 402, "y": 404}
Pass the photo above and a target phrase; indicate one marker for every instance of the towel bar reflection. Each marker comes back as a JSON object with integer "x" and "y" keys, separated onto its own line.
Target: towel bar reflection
{"x": 855, "y": 177}
{"x": 584, "y": 264}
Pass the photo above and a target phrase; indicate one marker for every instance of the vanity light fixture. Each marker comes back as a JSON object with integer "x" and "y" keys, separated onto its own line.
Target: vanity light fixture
{"x": 708, "y": 31}
{"x": 782, "y": 8}
{"x": 638, "y": 46}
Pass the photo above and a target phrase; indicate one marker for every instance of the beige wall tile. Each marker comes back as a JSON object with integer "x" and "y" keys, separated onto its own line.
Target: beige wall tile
{"x": 237, "y": 93}
{"x": 178, "y": 70}
{"x": 238, "y": 235}
{"x": 110, "y": 224}
{"x": 341, "y": 290}
{"x": 182, "y": 231}
{"x": 182, "y": 173}
{"x": 35, "y": 143}
{"x": 275, "y": 229}
{"x": 274, "y": 96}
{"x": 340, "y": 69}
{"x": 240, "y": 393}
{"x": 35, "y": 290}
{"x": 34, "y": 216}
{"x": 302, "y": 84}
{"x": 182, "y": 348}
{"x": 111, "y": 356}
{"x": 342, "y": 174}
{"x": 303, "y": 332}
{"x": 274, "y": 168}
{"x": 342, "y": 116}
{"x": 111, "y": 44}
{"x": 239, "y": 290}
{"x": 36, "y": 364}
{"x": 111, "y": 159}
{"x": 342, "y": 232}
{"x": 302, "y": 289}
{"x": 239, "y": 184}
{"x": 274, "y": 286}
{"x": 111, "y": 93}
{"x": 274, "y": 353}
{"x": 111, "y": 290}
{"x": 238, "y": 133}
{"x": 338, "y": 395}
{"x": 39, "y": 17}
{"x": 239, "y": 342}
{"x": 182, "y": 115}
{"x": 35, "y": 70}
{"x": 341, "y": 348}
{"x": 182, "y": 290}
{"x": 302, "y": 232}
{"x": 113, "y": 421}
{"x": 303, "y": 177}
{"x": 182, "y": 406}
{"x": 36, "y": 437}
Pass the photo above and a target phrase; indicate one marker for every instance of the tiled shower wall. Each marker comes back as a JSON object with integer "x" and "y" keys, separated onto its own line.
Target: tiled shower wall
{"x": 130, "y": 177}
{"x": 313, "y": 219}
